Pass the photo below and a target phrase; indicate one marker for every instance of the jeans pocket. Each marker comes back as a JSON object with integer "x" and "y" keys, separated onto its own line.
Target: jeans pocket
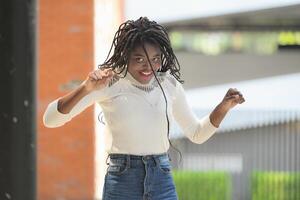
{"x": 116, "y": 167}
{"x": 164, "y": 165}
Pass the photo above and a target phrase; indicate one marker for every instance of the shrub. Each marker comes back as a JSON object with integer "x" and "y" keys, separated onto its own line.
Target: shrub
{"x": 194, "y": 185}
{"x": 275, "y": 186}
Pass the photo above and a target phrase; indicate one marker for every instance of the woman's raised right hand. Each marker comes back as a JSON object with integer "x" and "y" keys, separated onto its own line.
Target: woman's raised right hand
{"x": 98, "y": 79}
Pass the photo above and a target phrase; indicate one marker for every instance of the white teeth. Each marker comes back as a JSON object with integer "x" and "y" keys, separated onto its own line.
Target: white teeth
{"x": 146, "y": 73}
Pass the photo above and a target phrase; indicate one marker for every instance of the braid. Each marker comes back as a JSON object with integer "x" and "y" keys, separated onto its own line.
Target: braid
{"x": 129, "y": 34}
{"x": 132, "y": 33}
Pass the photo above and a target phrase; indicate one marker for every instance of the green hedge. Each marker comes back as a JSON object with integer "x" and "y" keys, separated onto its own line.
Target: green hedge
{"x": 275, "y": 186}
{"x": 194, "y": 185}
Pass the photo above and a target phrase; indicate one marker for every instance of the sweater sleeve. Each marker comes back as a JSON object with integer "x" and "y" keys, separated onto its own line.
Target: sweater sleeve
{"x": 53, "y": 118}
{"x": 197, "y": 130}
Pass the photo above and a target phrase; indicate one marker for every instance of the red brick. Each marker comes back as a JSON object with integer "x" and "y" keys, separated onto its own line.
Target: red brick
{"x": 65, "y": 155}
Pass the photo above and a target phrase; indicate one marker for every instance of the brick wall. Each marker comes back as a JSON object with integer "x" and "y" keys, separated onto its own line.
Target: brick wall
{"x": 65, "y": 154}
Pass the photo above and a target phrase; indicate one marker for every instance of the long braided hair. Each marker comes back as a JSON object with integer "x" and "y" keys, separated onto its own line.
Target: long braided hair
{"x": 133, "y": 33}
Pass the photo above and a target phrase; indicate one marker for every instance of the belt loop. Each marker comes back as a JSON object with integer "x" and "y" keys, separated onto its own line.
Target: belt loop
{"x": 169, "y": 157}
{"x": 107, "y": 163}
{"x": 128, "y": 161}
{"x": 156, "y": 158}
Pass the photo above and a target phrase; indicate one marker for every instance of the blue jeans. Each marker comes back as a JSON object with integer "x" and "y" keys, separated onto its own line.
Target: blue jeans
{"x": 134, "y": 177}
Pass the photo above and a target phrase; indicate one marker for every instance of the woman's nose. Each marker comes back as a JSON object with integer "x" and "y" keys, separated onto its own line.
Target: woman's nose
{"x": 146, "y": 65}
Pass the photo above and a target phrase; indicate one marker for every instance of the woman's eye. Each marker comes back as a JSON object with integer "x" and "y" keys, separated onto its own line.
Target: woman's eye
{"x": 139, "y": 60}
{"x": 156, "y": 59}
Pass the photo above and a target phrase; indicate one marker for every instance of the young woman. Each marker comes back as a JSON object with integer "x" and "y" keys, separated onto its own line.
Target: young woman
{"x": 140, "y": 92}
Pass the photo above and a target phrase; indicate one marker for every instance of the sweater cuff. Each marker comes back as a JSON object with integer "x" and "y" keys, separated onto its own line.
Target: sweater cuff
{"x": 207, "y": 125}
{"x": 205, "y": 131}
{"x": 54, "y": 118}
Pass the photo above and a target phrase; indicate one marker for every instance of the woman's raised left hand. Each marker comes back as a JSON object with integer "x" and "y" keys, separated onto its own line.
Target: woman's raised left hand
{"x": 232, "y": 98}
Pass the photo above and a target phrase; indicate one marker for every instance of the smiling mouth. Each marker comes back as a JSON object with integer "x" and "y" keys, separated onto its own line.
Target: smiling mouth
{"x": 146, "y": 73}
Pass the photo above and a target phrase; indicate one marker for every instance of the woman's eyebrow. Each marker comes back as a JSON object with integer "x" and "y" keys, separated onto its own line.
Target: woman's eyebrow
{"x": 137, "y": 54}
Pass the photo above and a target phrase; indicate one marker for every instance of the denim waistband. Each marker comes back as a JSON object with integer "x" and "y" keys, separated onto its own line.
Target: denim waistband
{"x": 137, "y": 157}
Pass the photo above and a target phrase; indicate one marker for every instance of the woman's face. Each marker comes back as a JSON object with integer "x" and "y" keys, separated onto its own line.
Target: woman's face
{"x": 138, "y": 66}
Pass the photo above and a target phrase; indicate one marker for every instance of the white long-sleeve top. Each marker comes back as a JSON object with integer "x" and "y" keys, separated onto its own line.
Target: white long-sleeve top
{"x": 134, "y": 113}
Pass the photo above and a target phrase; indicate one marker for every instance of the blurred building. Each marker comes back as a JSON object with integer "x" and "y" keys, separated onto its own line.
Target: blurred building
{"x": 263, "y": 134}
{"x": 257, "y": 51}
